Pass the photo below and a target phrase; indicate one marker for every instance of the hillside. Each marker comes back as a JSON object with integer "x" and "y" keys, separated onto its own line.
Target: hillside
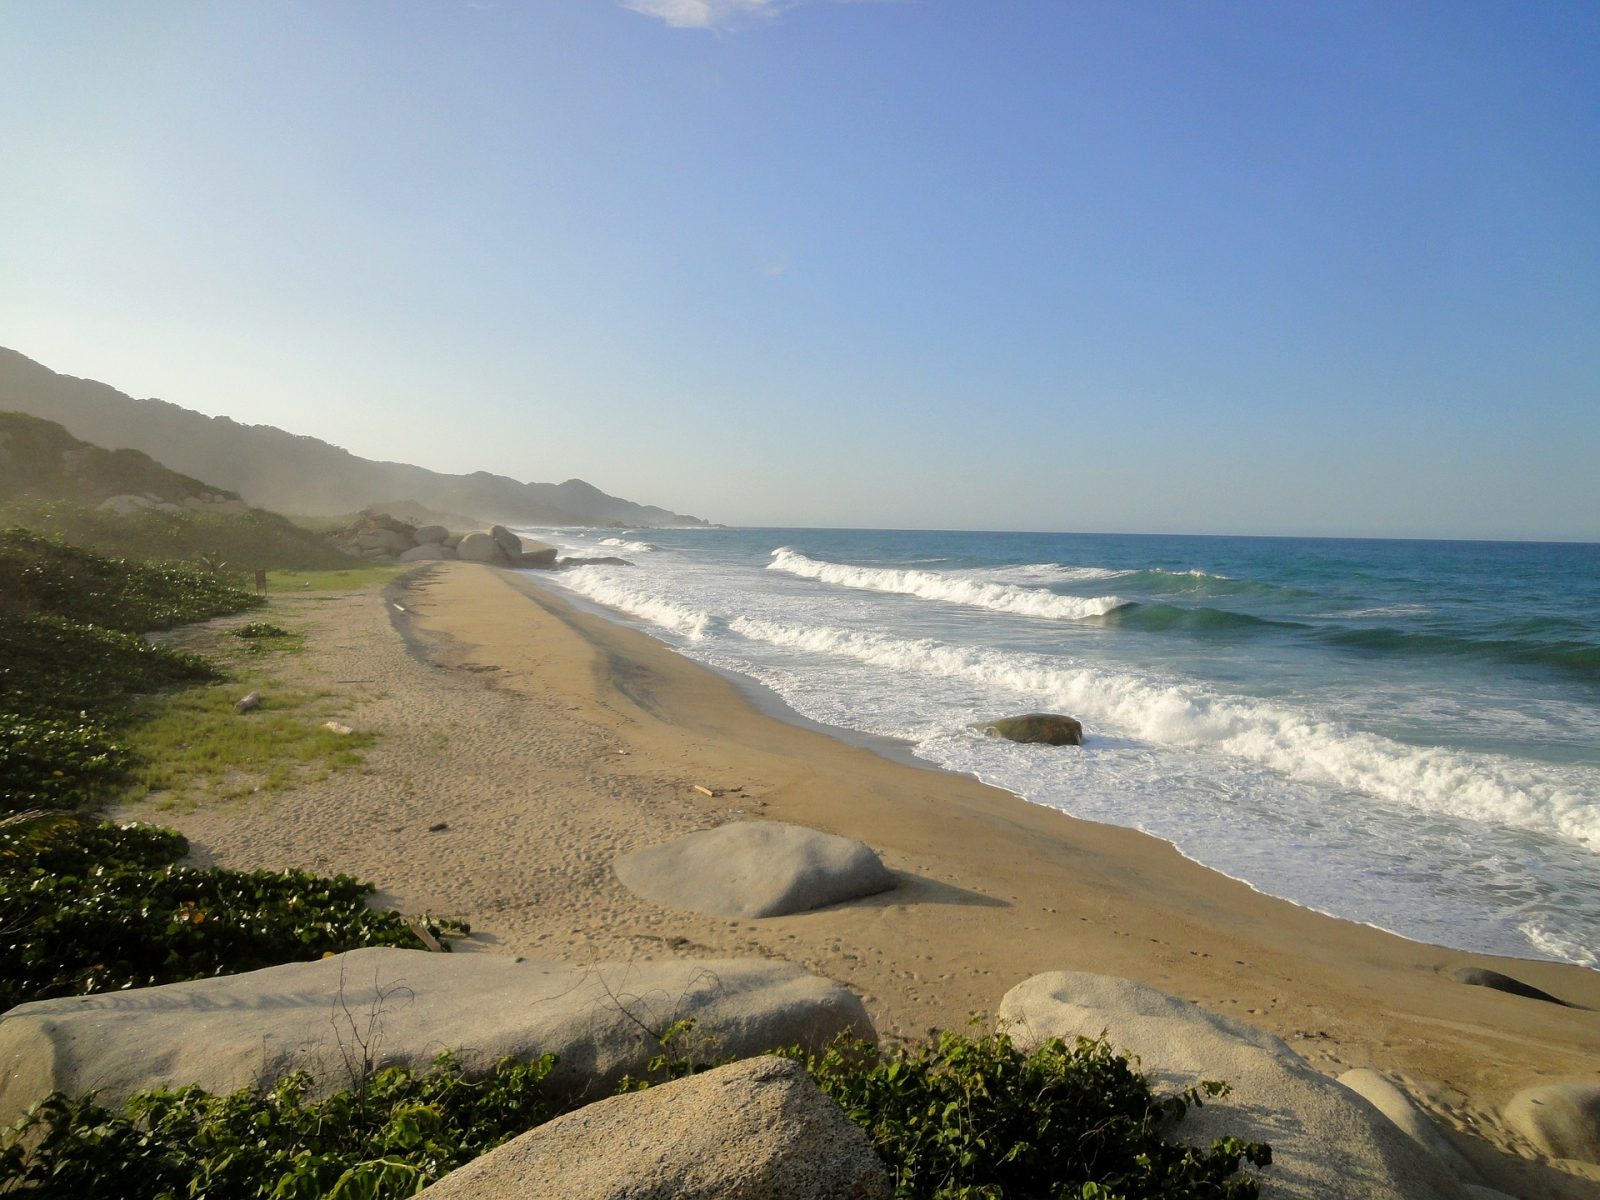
{"x": 123, "y": 502}
{"x": 285, "y": 472}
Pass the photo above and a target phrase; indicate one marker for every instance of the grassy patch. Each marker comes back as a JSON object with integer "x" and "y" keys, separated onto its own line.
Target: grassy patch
{"x": 193, "y": 746}
{"x": 346, "y": 579}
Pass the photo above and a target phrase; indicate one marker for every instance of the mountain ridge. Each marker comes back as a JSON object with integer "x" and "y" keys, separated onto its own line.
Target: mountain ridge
{"x": 275, "y": 469}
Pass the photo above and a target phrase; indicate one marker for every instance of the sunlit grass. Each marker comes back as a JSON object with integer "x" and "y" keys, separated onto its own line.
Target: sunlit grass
{"x": 195, "y": 747}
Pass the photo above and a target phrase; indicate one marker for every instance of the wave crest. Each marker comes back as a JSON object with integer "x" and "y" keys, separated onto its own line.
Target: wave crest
{"x": 1294, "y": 744}
{"x": 951, "y": 589}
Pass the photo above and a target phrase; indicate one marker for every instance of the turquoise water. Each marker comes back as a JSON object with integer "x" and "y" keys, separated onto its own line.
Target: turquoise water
{"x": 1401, "y": 733}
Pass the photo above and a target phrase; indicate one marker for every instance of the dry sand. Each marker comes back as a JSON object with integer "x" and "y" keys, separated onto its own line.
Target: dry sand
{"x": 549, "y": 740}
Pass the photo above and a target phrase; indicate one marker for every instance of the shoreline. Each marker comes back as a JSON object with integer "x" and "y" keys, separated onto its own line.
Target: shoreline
{"x": 768, "y": 702}
{"x": 549, "y": 739}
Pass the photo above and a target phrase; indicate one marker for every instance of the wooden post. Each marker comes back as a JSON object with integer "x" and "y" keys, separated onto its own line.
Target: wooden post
{"x": 261, "y": 583}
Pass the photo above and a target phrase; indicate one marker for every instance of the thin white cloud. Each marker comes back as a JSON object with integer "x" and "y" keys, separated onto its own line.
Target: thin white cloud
{"x": 774, "y": 266}
{"x": 707, "y": 14}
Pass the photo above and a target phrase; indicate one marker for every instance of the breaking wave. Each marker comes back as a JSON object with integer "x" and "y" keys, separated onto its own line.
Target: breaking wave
{"x": 949, "y": 588}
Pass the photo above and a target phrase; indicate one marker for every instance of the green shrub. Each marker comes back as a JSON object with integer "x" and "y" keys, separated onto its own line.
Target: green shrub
{"x": 67, "y": 762}
{"x": 52, "y": 665}
{"x": 94, "y": 907}
{"x": 45, "y": 575}
{"x": 961, "y": 1119}
{"x": 261, "y": 629}
{"x": 249, "y": 540}
{"x": 977, "y": 1119}
{"x": 389, "y": 1136}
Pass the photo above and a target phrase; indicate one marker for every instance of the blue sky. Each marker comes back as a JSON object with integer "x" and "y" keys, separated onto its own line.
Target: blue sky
{"x": 1189, "y": 267}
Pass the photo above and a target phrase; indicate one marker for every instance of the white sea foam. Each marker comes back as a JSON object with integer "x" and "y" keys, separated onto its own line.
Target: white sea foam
{"x": 1557, "y": 946}
{"x": 1484, "y": 788}
{"x": 611, "y": 587}
{"x": 625, "y": 545}
{"x": 1389, "y": 610}
{"x": 951, "y": 588}
{"x": 1045, "y": 573}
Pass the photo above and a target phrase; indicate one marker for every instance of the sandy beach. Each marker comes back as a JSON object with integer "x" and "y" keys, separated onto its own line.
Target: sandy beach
{"x": 548, "y": 740}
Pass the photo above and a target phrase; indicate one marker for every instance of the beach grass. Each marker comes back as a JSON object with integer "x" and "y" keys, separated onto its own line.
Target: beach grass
{"x": 194, "y": 747}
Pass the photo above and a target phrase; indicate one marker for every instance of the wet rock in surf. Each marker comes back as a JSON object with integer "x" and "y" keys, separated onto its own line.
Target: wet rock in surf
{"x": 1480, "y": 977}
{"x": 1049, "y": 729}
{"x": 754, "y": 869}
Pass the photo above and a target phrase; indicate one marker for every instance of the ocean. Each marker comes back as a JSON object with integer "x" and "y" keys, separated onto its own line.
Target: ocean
{"x": 1402, "y": 733}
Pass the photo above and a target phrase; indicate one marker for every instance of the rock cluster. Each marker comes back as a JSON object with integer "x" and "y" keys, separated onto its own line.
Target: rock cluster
{"x": 378, "y": 537}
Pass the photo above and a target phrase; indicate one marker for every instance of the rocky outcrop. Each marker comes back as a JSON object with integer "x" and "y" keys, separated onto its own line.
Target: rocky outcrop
{"x": 405, "y": 1006}
{"x": 1327, "y": 1142}
{"x": 754, "y": 1130}
{"x": 428, "y": 535}
{"x": 754, "y": 869}
{"x": 1561, "y": 1119}
{"x": 1050, "y": 729}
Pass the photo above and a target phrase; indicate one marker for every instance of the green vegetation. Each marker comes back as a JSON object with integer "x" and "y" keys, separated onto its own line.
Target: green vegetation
{"x": 92, "y": 907}
{"x": 46, "y": 575}
{"x": 389, "y": 1136}
{"x": 261, "y": 629}
{"x": 72, "y": 665}
{"x": 43, "y": 460}
{"x": 54, "y": 484}
{"x": 976, "y": 1118}
{"x": 192, "y": 744}
{"x": 959, "y": 1119}
{"x": 247, "y": 541}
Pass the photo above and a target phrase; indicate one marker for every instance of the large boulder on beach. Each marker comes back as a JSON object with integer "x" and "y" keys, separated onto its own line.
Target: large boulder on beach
{"x": 542, "y": 559}
{"x": 1050, "y": 729}
{"x": 753, "y": 1130}
{"x": 1561, "y": 1119}
{"x": 431, "y": 535}
{"x": 479, "y": 547}
{"x": 405, "y": 1006}
{"x": 509, "y": 542}
{"x": 754, "y": 869}
{"x": 1327, "y": 1142}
